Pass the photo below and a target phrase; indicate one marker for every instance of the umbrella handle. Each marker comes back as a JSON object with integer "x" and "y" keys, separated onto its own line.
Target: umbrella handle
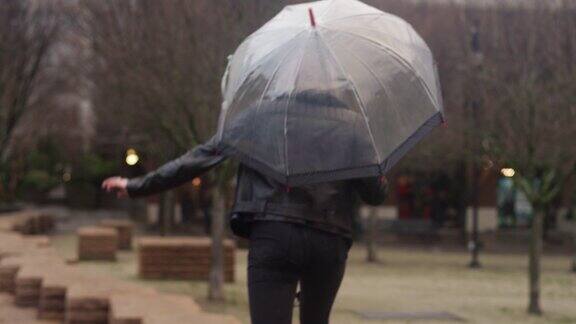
{"x": 312, "y": 18}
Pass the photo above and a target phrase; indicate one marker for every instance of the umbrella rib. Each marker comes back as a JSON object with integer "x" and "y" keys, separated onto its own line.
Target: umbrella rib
{"x": 328, "y": 7}
{"x": 286, "y": 111}
{"x": 386, "y": 90}
{"x": 403, "y": 42}
{"x": 272, "y": 77}
{"x": 276, "y": 69}
{"x": 230, "y": 104}
{"x": 260, "y": 31}
{"x": 396, "y": 56}
{"x": 354, "y": 16}
{"x": 238, "y": 85}
{"x": 358, "y": 99}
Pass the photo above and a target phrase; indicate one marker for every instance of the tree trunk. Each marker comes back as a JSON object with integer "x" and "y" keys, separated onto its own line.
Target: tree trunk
{"x": 474, "y": 243}
{"x": 371, "y": 255}
{"x": 216, "y": 286}
{"x": 534, "y": 262}
{"x": 574, "y": 245}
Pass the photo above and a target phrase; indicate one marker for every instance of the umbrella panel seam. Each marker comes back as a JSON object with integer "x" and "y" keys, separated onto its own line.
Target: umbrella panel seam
{"x": 287, "y": 169}
{"x": 399, "y": 58}
{"x": 357, "y": 95}
{"x": 386, "y": 90}
{"x": 264, "y": 58}
{"x": 231, "y": 104}
{"x": 272, "y": 77}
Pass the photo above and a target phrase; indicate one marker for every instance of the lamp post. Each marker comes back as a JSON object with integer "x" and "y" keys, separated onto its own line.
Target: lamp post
{"x": 132, "y": 157}
{"x": 474, "y": 243}
{"x": 134, "y": 169}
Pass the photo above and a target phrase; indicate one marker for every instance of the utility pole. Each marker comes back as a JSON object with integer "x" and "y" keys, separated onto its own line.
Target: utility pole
{"x": 474, "y": 243}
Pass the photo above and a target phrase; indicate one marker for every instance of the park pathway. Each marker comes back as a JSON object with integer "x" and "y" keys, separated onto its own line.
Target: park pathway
{"x": 10, "y": 314}
{"x": 35, "y": 281}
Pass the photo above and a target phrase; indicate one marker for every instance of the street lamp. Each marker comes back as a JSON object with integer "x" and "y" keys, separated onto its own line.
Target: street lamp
{"x": 508, "y": 172}
{"x": 132, "y": 157}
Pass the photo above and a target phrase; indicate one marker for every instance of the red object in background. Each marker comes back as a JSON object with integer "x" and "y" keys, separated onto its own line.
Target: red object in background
{"x": 405, "y": 196}
{"x": 428, "y": 199}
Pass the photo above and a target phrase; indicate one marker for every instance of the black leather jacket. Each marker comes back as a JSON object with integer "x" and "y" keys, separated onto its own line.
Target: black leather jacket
{"x": 328, "y": 206}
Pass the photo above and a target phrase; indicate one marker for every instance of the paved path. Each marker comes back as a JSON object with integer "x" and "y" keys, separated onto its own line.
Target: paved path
{"x": 10, "y": 314}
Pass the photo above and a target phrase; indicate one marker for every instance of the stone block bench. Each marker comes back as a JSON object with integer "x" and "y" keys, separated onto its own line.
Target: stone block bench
{"x": 54, "y": 289}
{"x": 27, "y": 285}
{"x": 97, "y": 243}
{"x": 28, "y": 222}
{"x": 125, "y": 229}
{"x": 181, "y": 258}
{"x": 35, "y": 260}
{"x": 89, "y": 301}
{"x": 32, "y": 274}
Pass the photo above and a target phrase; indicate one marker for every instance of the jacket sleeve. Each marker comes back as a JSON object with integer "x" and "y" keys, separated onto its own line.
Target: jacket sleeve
{"x": 177, "y": 172}
{"x": 372, "y": 191}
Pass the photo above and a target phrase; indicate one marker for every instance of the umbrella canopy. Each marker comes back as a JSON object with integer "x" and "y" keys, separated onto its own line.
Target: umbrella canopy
{"x": 328, "y": 90}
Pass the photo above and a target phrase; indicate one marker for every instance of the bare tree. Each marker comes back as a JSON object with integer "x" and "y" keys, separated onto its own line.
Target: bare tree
{"x": 157, "y": 72}
{"x": 525, "y": 89}
{"x": 28, "y": 31}
{"x": 529, "y": 81}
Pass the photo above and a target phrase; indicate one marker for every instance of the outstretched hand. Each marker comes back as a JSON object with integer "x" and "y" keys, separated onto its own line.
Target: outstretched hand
{"x": 116, "y": 184}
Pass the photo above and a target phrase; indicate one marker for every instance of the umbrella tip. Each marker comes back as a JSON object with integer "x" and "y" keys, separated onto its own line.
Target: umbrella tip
{"x": 312, "y": 18}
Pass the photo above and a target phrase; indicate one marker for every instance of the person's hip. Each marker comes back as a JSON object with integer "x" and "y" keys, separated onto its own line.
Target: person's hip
{"x": 291, "y": 247}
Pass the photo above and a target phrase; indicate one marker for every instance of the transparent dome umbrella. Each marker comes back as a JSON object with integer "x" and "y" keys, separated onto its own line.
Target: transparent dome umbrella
{"x": 328, "y": 90}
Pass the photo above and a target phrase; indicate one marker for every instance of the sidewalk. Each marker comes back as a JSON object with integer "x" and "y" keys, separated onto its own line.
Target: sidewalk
{"x": 10, "y": 314}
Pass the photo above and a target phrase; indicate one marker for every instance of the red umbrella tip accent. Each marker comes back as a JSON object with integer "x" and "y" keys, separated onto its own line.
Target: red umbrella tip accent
{"x": 445, "y": 124}
{"x": 312, "y": 19}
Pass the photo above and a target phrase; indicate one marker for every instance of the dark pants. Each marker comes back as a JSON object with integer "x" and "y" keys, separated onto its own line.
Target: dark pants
{"x": 281, "y": 256}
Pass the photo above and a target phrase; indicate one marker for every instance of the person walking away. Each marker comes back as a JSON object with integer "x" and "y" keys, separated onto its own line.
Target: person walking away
{"x": 300, "y": 235}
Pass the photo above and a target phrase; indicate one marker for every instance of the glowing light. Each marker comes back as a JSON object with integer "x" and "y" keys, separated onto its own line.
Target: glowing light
{"x": 67, "y": 176}
{"x": 132, "y": 157}
{"x": 508, "y": 172}
{"x": 197, "y": 182}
